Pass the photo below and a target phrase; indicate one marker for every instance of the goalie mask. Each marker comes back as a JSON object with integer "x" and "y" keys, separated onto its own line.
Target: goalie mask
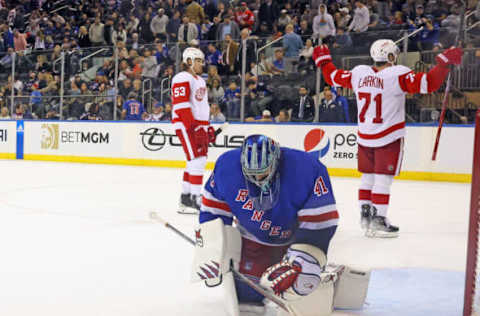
{"x": 381, "y": 49}
{"x": 259, "y": 159}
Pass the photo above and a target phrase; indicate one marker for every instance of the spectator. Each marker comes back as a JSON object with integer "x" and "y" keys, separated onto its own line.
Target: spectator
{"x": 268, "y": 13}
{"x": 187, "y": 31}
{"x": 159, "y": 23}
{"x": 361, "y": 18}
{"x": 39, "y": 41}
{"x": 213, "y": 75}
{"x": 211, "y": 9}
{"x": 132, "y": 109}
{"x": 292, "y": 42}
{"x": 305, "y": 31}
{"x": 266, "y": 117}
{"x": 145, "y": 32}
{"x": 108, "y": 32}
{"x": 398, "y": 18}
{"x": 232, "y": 101}
{"x": 282, "y": 116}
{"x": 149, "y": 68}
{"x": 21, "y": 114}
{"x": 133, "y": 42}
{"x": 158, "y": 113}
{"x": 244, "y": 17}
{"x": 323, "y": 25}
{"x": 229, "y": 54}
{"x": 91, "y": 112}
{"x": 250, "y": 51}
{"x": 228, "y": 27}
{"x": 195, "y": 12}
{"x": 216, "y": 115}
{"x": 173, "y": 26}
{"x": 330, "y": 110}
{"x": 168, "y": 112}
{"x": 214, "y": 56}
{"x": 306, "y": 62}
{"x": 132, "y": 25}
{"x": 342, "y": 39}
{"x": 20, "y": 41}
{"x": 83, "y": 38}
{"x": 283, "y": 20}
{"x": 416, "y": 18}
{"x": 4, "y": 114}
{"x": 342, "y": 18}
{"x": 215, "y": 92}
{"x": 429, "y": 35}
{"x": 96, "y": 33}
{"x": 119, "y": 34}
{"x": 303, "y": 109}
{"x": 277, "y": 64}
{"x": 340, "y": 99}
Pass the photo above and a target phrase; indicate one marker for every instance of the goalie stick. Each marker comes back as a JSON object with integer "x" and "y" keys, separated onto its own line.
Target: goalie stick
{"x": 154, "y": 216}
{"x": 458, "y": 39}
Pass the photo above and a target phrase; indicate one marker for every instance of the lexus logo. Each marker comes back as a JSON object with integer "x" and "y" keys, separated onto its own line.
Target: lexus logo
{"x": 154, "y": 139}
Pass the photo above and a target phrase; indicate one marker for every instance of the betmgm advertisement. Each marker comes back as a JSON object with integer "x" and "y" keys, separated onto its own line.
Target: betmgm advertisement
{"x": 79, "y": 139}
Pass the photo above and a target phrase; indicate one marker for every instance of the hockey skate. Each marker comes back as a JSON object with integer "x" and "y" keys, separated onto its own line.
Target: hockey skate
{"x": 365, "y": 216}
{"x": 380, "y": 227}
{"x": 189, "y": 204}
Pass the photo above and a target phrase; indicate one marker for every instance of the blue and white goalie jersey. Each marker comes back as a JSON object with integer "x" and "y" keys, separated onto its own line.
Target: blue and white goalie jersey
{"x": 305, "y": 212}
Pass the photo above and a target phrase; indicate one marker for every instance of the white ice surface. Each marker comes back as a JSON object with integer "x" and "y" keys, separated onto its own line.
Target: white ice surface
{"x": 75, "y": 239}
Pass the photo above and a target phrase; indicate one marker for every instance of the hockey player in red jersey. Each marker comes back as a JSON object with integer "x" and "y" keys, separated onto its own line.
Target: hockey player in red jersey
{"x": 380, "y": 92}
{"x": 190, "y": 114}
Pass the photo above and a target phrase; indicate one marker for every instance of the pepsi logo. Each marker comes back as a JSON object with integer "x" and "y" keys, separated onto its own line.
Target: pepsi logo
{"x": 316, "y": 138}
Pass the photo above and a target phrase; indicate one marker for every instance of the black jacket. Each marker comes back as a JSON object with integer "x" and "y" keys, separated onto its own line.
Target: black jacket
{"x": 308, "y": 110}
{"x": 331, "y": 112}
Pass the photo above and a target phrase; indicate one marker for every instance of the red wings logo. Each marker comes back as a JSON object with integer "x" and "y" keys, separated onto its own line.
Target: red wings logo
{"x": 200, "y": 93}
{"x": 198, "y": 238}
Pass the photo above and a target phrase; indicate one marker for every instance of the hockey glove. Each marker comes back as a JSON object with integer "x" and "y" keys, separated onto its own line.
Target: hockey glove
{"x": 211, "y": 134}
{"x": 451, "y": 56}
{"x": 321, "y": 55}
{"x": 297, "y": 275}
{"x": 200, "y": 138}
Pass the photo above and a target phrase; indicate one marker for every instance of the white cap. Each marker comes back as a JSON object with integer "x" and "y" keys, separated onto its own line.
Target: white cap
{"x": 266, "y": 113}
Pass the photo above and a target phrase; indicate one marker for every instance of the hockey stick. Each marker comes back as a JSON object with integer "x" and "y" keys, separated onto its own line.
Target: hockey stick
{"x": 458, "y": 39}
{"x": 154, "y": 216}
{"x": 222, "y": 128}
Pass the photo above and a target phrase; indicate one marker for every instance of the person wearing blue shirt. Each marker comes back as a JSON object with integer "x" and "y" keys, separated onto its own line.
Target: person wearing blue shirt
{"x": 132, "y": 109}
{"x": 292, "y": 42}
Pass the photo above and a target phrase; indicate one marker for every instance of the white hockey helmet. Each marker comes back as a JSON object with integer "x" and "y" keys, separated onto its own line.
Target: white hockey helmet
{"x": 192, "y": 53}
{"x": 381, "y": 48}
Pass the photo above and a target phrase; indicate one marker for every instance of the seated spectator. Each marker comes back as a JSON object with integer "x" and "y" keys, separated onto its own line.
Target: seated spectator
{"x": 215, "y": 92}
{"x": 398, "y": 18}
{"x": 4, "y": 115}
{"x": 21, "y": 113}
{"x": 342, "y": 39}
{"x": 266, "y": 117}
{"x": 232, "y": 101}
{"x": 277, "y": 63}
{"x": 305, "y": 31}
{"x": 338, "y": 95}
{"x": 330, "y": 110}
{"x": 168, "y": 112}
{"x": 303, "y": 109}
{"x": 216, "y": 115}
{"x": 132, "y": 109}
{"x": 158, "y": 113}
{"x": 91, "y": 113}
{"x": 306, "y": 62}
{"x": 282, "y": 116}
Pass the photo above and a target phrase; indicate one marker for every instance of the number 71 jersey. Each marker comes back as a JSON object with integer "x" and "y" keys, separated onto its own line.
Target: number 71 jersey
{"x": 381, "y": 103}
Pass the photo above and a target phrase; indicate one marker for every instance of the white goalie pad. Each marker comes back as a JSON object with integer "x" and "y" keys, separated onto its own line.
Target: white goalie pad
{"x": 351, "y": 288}
{"x": 217, "y": 246}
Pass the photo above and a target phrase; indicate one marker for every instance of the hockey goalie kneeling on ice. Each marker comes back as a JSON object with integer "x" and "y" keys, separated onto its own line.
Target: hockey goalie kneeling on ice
{"x": 269, "y": 213}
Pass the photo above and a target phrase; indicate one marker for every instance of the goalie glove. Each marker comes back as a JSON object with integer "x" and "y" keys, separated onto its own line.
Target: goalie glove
{"x": 298, "y": 274}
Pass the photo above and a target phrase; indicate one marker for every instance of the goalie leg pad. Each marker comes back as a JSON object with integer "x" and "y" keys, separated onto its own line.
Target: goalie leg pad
{"x": 351, "y": 288}
{"x": 217, "y": 246}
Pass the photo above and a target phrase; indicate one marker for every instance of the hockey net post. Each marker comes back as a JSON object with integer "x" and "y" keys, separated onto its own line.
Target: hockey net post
{"x": 472, "y": 280}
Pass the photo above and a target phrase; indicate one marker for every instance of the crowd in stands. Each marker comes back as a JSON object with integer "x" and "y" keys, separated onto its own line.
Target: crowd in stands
{"x": 149, "y": 36}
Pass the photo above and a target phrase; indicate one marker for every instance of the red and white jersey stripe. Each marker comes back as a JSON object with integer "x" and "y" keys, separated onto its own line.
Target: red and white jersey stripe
{"x": 319, "y": 217}
{"x": 214, "y": 206}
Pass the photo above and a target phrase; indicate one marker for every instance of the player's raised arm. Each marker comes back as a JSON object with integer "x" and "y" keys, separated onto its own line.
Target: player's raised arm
{"x": 333, "y": 76}
{"x": 431, "y": 81}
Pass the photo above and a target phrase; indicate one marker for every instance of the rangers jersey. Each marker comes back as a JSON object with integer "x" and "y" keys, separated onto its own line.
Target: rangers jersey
{"x": 305, "y": 212}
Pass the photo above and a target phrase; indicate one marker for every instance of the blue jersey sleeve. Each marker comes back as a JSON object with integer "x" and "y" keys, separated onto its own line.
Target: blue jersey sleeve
{"x": 318, "y": 218}
{"x": 125, "y": 105}
{"x": 213, "y": 204}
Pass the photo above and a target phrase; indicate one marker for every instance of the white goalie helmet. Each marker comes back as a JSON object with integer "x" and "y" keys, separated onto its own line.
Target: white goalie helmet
{"x": 192, "y": 53}
{"x": 380, "y": 50}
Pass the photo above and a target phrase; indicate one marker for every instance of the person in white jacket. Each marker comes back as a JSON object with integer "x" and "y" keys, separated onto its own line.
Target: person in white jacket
{"x": 361, "y": 18}
{"x": 323, "y": 25}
